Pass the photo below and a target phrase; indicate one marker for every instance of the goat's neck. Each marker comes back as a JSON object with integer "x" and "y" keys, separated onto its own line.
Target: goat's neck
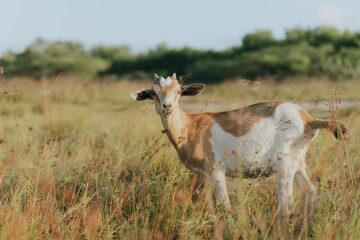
{"x": 175, "y": 127}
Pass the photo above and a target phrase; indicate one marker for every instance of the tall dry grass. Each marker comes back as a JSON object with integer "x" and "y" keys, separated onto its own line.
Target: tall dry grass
{"x": 81, "y": 160}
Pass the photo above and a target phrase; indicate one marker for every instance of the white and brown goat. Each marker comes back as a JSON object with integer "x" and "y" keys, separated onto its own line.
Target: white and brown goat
{"x": 260, "y": 139}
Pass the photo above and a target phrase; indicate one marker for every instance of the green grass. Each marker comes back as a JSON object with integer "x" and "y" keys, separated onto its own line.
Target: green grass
{"x": 81, "y": 160}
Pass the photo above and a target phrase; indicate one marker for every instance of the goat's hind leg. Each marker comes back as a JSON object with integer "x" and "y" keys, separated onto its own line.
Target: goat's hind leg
{"x": 308, "y": 190}
{"x": 287, "y": 167}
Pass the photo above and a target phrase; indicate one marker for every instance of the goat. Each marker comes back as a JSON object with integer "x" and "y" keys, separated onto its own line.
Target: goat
{"x": 260, "y": 139}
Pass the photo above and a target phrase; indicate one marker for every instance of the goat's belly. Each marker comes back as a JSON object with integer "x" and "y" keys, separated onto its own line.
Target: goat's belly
{"x": 249, "y": 156}
{"x": 257, "y": 156}
{"x": 247, "y": 165}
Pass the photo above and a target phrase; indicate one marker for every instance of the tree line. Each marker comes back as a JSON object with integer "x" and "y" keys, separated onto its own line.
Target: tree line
{"x": 311, "y": 52}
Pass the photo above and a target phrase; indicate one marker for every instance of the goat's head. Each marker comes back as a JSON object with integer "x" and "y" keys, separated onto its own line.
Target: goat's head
{"x": 166, "y": 93}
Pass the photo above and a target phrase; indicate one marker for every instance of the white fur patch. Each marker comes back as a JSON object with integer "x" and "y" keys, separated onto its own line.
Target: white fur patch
{"x": 165, "y": 102}
{"x": 224, "y": 146}
{"x": 164, "y": 82}
{"x": 279, "y": 134}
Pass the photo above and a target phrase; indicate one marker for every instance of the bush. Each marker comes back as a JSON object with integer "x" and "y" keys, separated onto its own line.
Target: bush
{"x": 258, "y": 40}
{"x": 319, "y": 51}
{"x": 297, "y": 63}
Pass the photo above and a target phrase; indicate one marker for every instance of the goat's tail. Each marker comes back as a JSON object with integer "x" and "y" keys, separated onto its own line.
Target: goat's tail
{"x": 338, "y": 128}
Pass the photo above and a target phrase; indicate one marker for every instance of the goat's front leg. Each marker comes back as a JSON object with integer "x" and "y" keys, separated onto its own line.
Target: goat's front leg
{"x": 197, "y": 185}
{"x": 218, "y": 181}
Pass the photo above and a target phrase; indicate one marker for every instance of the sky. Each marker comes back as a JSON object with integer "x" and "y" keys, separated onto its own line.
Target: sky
{"x": 142, "y": 25}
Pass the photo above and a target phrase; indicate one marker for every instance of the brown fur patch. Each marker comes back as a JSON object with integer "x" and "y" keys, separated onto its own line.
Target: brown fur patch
{"x": 309, "y": 130}
{"x": 311, "y": 125}
{"x": 239, "y": 122}
{"x": 196, "y": 150}
{"x": 190, "y": 135}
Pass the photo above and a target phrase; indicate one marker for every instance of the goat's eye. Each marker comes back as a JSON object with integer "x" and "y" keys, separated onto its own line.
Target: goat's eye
{"x": 179, "y": 92}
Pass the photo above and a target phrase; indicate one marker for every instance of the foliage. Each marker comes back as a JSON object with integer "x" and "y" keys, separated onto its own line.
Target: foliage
{"x": 312, "y": 52}
{"x": 258, "y": 40}
{"x": 53, "y": 58}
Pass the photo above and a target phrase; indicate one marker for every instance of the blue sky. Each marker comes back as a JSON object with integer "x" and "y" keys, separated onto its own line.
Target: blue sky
{"x": 204, "y": 24}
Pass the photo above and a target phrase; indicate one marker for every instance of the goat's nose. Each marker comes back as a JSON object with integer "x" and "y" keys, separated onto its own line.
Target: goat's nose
{"x": 168, "y": 105}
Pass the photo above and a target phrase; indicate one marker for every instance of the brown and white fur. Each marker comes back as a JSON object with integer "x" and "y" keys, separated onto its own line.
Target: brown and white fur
{"x": 260, "y": 139}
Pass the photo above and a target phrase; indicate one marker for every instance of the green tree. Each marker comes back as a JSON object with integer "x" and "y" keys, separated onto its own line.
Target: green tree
{"x": 52, "y": 58}
{"x": 258, "y": 40}
{"x": 297, "y": 35}
{"x": 324, "y": 35}
{"x": 111, "y": 53}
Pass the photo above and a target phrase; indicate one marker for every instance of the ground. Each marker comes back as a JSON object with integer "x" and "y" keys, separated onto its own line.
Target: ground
{"x": 81, "y": 159}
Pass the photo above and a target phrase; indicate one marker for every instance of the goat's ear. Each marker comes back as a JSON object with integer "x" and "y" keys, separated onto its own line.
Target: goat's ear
{"x": 143, "y": 94}
{"x": 192, "y": 89}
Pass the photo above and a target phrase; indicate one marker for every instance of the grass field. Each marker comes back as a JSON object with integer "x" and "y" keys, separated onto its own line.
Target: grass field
{"x": 82, "y": 160}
